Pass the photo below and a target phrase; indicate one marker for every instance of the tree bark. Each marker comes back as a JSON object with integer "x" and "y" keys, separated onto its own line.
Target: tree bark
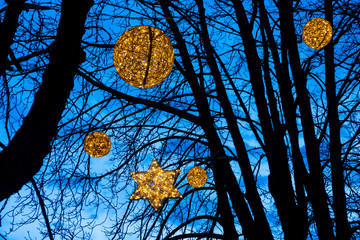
{"x": 24, "y": 155}
{"x": 226, "y": 217}
{"x": 337, "y": 168}
{"x": 289, "y": 111}
{"x": 261, "y": 228}
{"x": 316, "y": 188}
{"x": 280, "y": 184}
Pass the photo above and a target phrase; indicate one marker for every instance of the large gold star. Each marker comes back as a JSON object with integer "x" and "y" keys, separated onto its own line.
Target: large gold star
{"x": 156, "y": 185}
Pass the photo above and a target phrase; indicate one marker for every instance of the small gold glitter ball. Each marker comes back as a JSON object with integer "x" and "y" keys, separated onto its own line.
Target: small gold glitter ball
{"x": 97, "y": 144}
{"x": 317, "y": 33}
{"x": 196, "y": 177}
{"x": 143, "y": 56}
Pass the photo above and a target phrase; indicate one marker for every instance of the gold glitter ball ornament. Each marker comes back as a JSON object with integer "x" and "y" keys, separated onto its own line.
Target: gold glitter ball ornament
{"x": 317, "y": 33}
{"x": 97, "y": 144}
{"x": 143, "y": 56}
{"x": 155, "y": 185}
{"x": 196, "y": 177}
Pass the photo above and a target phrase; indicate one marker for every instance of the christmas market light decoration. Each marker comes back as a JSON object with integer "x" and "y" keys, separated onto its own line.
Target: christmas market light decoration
{"x": 143, "y": 56}
{"x": 196, "y": 177}
{"x": 156, "y": 185}
{"x": 97, "y": 144}
{"x": 317, "y": 33}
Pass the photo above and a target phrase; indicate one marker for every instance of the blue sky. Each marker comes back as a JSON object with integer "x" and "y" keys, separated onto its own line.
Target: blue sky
{"x": 122, "y": 122}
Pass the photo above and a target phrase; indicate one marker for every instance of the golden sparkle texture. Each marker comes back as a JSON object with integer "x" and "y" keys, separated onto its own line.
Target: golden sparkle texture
{"x": 143, "y": 56}
{"x": 196, "y": 177}
{"x": 317, "y": 33}
{"x": 97, "y": 144}
{"x": 156, "y": 185}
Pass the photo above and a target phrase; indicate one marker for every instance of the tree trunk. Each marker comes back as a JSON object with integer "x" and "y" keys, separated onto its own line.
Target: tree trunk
{"x": 316, "y": 188}
{"x": 24, "y": 155}
{"x": 337, "y": 169}
{"x": 280, "y": 184}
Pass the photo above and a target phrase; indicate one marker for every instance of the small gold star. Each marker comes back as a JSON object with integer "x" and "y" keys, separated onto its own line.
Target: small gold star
{"x": 156, "y": 185}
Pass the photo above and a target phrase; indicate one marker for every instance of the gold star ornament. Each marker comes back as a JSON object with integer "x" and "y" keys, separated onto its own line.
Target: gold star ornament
{"x": 143, "y": 56}
{"x": 317, "y": 33}
{"x": 156, "y": 185}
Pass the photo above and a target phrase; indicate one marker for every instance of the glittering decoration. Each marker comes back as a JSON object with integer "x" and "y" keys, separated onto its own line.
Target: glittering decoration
{"x": 196, "y": 177}
{"x": 97, "y": 144}
{"x": 143, "y": 56}
{"x": 156, "y": 185}
{"x": 317, "y": 33}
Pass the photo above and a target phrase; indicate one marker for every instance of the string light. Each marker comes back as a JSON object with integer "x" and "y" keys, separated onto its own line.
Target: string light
{"x": 97, "y": 144}
{"x": 156, "y": 185}
{"x": 196, "y": 177}
{"x": 317, "y": 33}
{"x": 143, "y": 56}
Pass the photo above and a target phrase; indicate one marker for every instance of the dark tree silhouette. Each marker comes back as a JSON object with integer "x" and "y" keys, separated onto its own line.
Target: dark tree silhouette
{"x": 274, "y": 122}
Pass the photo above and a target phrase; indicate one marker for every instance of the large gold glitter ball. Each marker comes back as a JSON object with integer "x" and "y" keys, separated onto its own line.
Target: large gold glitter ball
{"x": 317, "y": 33}
{"x": 196, "y": 177}
{"x": 97, "y": 144}
{"x": 143, "y": 56}
{"x": 155, "y": 185}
